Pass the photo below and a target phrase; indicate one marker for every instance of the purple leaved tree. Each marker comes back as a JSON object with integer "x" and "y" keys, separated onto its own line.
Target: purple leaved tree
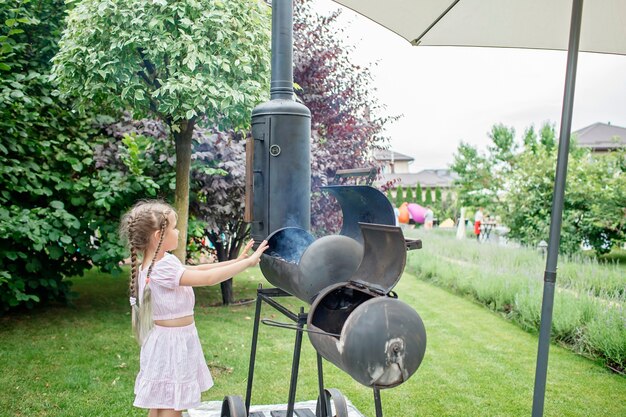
{"x": 218, "y": 184}
{"x": 216, "y": 179}
{"x": 347, "y": 119}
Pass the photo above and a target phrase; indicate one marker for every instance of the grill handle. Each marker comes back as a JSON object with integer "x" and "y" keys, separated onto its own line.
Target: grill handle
{"x": 274, "y": 323}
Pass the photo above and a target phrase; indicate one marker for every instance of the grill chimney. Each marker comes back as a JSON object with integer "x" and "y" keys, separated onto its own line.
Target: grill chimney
{"x": 278, "y": 183}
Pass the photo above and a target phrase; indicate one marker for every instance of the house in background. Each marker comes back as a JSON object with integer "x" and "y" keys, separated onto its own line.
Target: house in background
{"x": 601, "y": 137}
{"x": 395, "y": 166}
{"x": 391, "y": 162}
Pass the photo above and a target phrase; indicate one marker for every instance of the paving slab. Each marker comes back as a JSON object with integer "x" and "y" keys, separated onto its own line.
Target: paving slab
{"x": 213, "y": 409}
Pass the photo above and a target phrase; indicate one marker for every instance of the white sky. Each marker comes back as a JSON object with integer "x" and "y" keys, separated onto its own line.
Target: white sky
{"x": 449, "y": 94}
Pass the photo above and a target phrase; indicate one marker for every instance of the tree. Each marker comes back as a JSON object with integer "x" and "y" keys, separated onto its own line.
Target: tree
{"x": 184, "y": 62}
{"x": 482, "y": 177}
{"x": 390, "y": 196}
{"x": 474, "y": 177}
{"x": 438, "y": 195}
{"x": 347, "y": 121}
{"x": 399, "y": 196}
{"x": 59, "y": 208}
{"x": 419, "y": 193}
{"x": 448, "y": 208}
{"x": 218, "y": 182}
{"x": 428, "y": 200}
{"x": 594, "y": 196}
{"x": 409, "y": 195}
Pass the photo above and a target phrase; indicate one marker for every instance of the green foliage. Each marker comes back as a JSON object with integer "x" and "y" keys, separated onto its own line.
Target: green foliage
{"x": 36, "y": 230}
{"x": 438, "y": 195}
{"x": 59, "y": 211}
{"x": 59, "y": 207}
{"x": 390, "y": 196}
{"x": 483, "y": 175}
{"x": 399, "y": 196}
{"x": 474, "y": 182}
{"x": 518, "y": 185}
{"x": 606, "y": 334}
{"x": 184, "y": 62}
{"x": 428, "y": 199}
{"x": 418, "y": 193}
{"x": 598, "y": 221}
{"x": 449, "y": 207}
{"x": 409, "y": 195}
{"x": 177, "y": 60}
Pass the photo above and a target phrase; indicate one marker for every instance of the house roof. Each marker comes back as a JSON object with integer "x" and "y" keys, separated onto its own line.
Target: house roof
{"x": 388, "y": 155}
{"x": 440, "y": 178}
{"x": 601, "y": 136}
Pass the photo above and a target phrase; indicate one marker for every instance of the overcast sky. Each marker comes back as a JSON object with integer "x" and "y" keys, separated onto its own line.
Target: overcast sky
{"x": 449, "y": 94}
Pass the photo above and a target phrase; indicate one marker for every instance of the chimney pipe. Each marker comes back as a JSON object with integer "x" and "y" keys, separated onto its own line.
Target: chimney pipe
{"x": 278, "y": 182}
{"x": 281, "y": 86}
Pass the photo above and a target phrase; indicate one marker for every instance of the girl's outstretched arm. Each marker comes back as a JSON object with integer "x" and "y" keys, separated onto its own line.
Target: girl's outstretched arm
{"x": 221, "y": 272}
{"x": 204, "y": 267}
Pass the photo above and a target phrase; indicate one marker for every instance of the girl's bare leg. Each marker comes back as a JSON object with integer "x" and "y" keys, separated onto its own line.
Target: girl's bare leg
{"x": 153, "y": 413}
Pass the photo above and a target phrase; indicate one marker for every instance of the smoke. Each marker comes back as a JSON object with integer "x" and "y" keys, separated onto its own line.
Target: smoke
{"x": 289, "y": 243}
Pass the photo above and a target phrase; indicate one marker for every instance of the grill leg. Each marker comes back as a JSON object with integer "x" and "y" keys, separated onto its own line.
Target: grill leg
{"x": 320, "y": 380}
{"x": 255, "y": 337}
{"x": 296, "y": 363}
{"x": 377, "y": 403}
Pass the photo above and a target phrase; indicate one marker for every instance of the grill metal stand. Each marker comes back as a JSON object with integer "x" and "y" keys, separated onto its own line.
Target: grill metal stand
{"x": 234, "y": 407}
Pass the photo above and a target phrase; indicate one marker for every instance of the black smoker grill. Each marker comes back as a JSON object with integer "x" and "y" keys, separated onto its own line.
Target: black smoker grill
{"x": 355, "y": 320}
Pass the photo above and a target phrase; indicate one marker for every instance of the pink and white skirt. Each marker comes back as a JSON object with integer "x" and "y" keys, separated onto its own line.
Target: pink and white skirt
{"x": 173, "y": 371}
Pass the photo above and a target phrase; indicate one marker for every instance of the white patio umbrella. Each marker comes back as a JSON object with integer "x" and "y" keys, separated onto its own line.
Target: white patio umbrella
{"x": 599, "y": 26}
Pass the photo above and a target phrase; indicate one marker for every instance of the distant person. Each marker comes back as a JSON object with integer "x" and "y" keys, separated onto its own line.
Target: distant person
{"x": 460, "y": 229}
{"x": 429, "y": 217}
{"x": 478, "y": 219}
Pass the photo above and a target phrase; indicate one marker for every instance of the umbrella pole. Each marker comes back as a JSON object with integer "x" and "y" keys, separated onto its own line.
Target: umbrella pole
{"x": 557, "y": 212}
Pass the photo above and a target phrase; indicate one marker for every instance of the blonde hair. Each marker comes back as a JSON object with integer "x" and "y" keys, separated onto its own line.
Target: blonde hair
{"x": 137, "y": 226}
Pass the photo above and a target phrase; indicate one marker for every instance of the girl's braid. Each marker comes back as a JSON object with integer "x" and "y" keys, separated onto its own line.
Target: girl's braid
{"x": 163, "y": 226}
{"x": 133, "y": 256}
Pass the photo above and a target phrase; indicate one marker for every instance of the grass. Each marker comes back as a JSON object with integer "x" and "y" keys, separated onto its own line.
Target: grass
{"x": 82, "y": 361}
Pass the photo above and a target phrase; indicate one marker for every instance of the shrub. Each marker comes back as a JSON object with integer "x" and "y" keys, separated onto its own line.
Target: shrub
{"x": 588, "y": 314}
{"x": 606, "y": 335}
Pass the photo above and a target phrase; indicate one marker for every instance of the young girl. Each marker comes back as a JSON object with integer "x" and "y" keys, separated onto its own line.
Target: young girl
{"x": 173, "y": 371}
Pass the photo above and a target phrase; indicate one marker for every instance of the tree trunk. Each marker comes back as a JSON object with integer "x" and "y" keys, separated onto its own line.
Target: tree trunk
{"x": 226, "y": 286}
{"x": 182, "y": 139}
{"x": 227, "y": 292}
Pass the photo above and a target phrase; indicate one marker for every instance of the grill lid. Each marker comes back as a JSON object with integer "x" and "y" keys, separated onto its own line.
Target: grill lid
{"x": 384, "y": 257}
{"x": 361, "y": 203}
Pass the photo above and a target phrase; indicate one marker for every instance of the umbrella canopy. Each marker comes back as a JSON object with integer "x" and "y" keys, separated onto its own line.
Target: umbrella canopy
{"x": 535, "y": 24}
{"x": 598, "y": 26}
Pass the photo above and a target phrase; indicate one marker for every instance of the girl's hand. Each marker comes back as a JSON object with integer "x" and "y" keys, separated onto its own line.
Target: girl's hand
{"x": 256, "y": 256}
{"x": 244, "y": 252}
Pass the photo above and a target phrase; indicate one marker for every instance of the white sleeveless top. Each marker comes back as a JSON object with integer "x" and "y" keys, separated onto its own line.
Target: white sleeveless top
{"x": 170, "y": 300}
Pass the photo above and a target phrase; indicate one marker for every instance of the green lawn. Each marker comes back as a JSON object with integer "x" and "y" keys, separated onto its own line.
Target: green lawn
{"x": 82, "y": 361}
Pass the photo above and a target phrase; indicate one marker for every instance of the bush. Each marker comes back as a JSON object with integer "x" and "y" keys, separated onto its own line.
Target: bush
{"x": 606, "y": 335}
{"x": 59, "y": 207}
{"x": 589, "y": 309}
